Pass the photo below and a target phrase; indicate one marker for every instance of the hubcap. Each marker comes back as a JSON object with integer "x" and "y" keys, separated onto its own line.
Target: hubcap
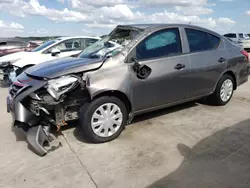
{"x": 106, "y": 120}
{"x": 226, "y": 90}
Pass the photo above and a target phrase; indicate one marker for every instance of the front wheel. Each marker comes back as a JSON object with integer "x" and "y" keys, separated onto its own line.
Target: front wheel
{"x": 103, "y": 119}
{"x": 224, "y": 90}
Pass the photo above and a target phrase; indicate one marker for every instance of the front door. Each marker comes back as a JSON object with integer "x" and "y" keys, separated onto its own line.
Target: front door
{"x": 161, "y": 52}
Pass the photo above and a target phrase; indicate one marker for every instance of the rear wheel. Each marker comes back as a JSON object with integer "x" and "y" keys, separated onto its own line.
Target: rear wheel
{"x": 224, "y": 90}
{"x": 103, "y": 119}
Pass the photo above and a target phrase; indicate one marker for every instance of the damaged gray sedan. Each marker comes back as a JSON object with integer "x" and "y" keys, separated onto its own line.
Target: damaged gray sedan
{"x": 155, "y": 66}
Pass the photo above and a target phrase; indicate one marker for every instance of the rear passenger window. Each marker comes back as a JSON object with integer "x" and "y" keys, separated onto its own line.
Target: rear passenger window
{"x": 201, "y": 41}
{"x": 159, "y": 44}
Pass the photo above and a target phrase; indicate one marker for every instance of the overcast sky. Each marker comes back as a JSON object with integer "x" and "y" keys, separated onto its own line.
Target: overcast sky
{"x": 97, "y": 17}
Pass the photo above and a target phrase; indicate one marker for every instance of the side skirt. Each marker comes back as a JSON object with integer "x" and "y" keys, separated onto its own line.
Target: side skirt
{"x": 169, "y": 104}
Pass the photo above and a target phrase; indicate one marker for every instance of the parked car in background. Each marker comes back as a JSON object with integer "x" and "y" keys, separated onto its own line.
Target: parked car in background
{"x": 9, "y": 46}
{"x": 246, "y": 45}
{"x": 156, "y": 66}
{"x": 235, "y": 43}
{"x": 240, "y": 39}
{"x": 13, "y": 64}
{"x": 237, "y": 37}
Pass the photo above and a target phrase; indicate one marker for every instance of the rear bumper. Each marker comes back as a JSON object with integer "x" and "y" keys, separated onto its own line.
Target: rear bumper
{"x": 243, "y": 75}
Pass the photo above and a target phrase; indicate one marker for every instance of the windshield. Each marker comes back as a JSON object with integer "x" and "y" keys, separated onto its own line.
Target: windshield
{"x": 111, "y": 44}
{"x": 44, "y": 45}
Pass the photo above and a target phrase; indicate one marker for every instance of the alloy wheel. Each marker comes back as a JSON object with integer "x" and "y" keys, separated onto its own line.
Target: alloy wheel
{"x": 226, "y": 90}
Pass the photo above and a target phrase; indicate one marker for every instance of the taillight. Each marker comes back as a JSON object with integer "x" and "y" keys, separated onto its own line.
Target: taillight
{"x": 245, "y": 54}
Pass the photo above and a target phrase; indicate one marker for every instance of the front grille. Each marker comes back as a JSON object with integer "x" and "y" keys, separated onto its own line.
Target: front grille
{"x": 16, "y": 87}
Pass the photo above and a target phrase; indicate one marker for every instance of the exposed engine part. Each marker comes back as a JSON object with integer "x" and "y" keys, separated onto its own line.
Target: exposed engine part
{"x": 43, "y": 109}
{"x": 83, "y": 85}
{"x": 59, "y": 116}
{"x": 71, "y": 113}
{"x": 35, "y": 96}
{"x": 34, "y": 107}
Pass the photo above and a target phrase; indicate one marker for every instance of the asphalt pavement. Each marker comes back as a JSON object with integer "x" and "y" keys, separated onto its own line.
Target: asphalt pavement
{"x": 188, "y": 146}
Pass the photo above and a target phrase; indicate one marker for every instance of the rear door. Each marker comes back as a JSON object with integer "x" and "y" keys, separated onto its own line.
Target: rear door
{"x": 208, "y": 60}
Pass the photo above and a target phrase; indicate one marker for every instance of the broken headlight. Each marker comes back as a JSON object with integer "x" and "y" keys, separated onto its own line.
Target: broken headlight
{"x": 7, "y": 63}
{"x": 59, "y": 86}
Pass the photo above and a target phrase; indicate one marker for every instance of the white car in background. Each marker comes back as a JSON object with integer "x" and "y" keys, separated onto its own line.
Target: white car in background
{"x": 13, "y": 64}
{"x": 246, "y": 45}
{"x": 240, "y": 39}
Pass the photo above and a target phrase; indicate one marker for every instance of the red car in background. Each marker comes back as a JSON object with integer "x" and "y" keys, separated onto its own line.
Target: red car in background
{"x": 8, "y": 46}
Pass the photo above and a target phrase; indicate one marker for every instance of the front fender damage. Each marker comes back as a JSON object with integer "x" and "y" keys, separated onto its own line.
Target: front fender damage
{"x": 120, "y": 88}
{"x": 37, "y": 128}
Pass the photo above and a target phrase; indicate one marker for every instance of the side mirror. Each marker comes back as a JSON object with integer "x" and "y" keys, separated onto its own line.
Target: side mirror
{"x": 136, "y": 65}
{"x": 55, "y": 51}
{"x": 142, "y": 71}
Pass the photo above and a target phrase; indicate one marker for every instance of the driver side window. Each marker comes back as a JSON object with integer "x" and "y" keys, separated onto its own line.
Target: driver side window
{"x": 162, "y": 43}
{"x": 68, "y": 45}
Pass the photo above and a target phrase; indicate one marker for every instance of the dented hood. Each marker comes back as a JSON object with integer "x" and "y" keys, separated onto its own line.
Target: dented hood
{"x": 60, "y": 67}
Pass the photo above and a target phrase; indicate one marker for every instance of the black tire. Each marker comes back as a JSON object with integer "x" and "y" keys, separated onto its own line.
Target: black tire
{"x": 86, "y": 114}
{"x": 216, "y": 98}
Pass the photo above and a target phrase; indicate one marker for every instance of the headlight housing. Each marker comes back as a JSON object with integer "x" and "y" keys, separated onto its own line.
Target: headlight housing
{"x": 5, "y": 64}
{"x": 59, "y": 86}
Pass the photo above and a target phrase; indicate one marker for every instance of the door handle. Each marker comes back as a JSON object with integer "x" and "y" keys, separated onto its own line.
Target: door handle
{"x": 179, "y": 66}
{"x": 222, "y": 59}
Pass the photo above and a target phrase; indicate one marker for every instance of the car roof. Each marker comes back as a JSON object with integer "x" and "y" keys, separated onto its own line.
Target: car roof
{"x": 236, "y": 33}
{"x": 74, "y": 37}
{"x": 60, "y": 39}
{"x": 157, "y": 26}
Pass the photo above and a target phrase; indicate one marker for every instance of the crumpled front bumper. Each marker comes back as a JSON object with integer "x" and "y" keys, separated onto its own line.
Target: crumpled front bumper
{"x": 37, "y": 135}
{"x": 23, "y": 118}
{"x": 20, "y": 113}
